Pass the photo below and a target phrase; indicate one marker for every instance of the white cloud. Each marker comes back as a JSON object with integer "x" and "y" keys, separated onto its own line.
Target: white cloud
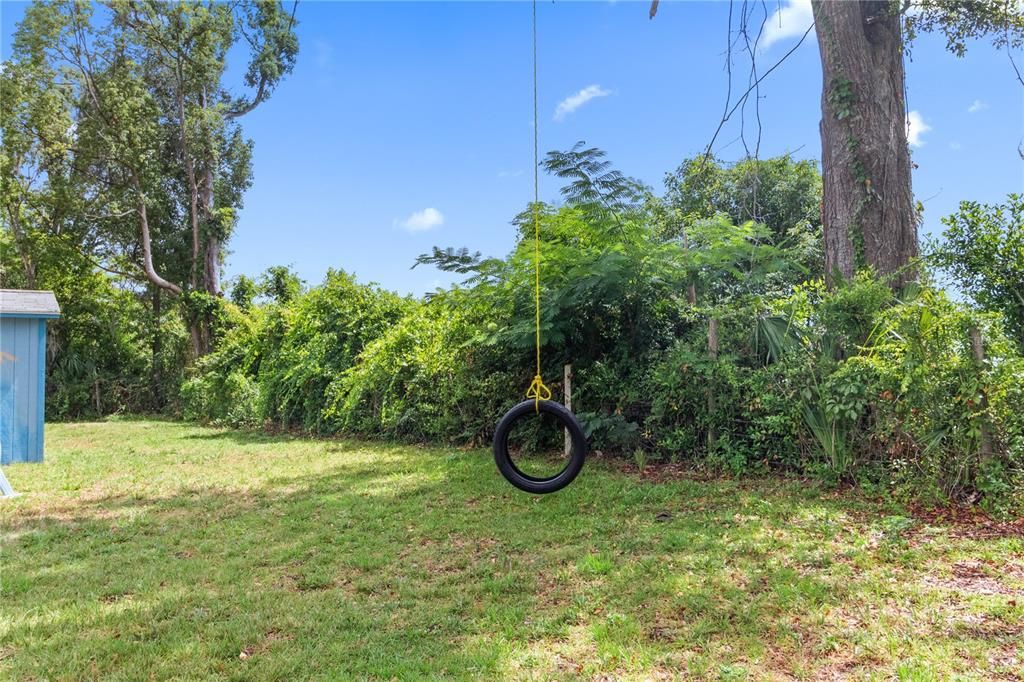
{"x": 789, "y": 21}
{"x": 977, "y": 106}
{"x": 955, "y": 146}
{"x": 574, "y": 102}
{"x": 916, "y": 127}
{"x": 421, "y": 221}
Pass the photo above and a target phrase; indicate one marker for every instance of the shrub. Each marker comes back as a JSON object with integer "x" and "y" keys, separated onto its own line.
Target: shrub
{"x": 701, "y": 406}
{"x": 223, "y": 388}
{"x": 315, "y": 340}
{"x": 937, "y": 409}
{"x": 847, "y": 384}
{"x": 776, "y": 425}
{"x": 428, "y": 377}
{"x": 103, "y": 356}
{"x": 231, "y": 400}
{"x": 982, "y": 251}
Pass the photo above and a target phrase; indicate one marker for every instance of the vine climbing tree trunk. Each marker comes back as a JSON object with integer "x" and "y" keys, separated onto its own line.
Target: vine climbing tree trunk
{"x": 868, "y": 207}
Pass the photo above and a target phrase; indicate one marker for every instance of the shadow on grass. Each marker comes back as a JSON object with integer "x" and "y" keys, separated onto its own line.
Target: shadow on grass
{"x": 329, "y": 443}
{"x": 412, "y": 565}
{"x": 244, "y": 436}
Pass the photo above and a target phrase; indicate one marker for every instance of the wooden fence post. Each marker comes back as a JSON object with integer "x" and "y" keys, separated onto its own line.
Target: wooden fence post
{"x": 567, "y": 397}
{"x": 712, "y": 403}
{"x": 978, "y": 349}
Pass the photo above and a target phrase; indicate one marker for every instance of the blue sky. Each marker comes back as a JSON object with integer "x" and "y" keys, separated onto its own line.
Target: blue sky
{"x": 406, "y": 125}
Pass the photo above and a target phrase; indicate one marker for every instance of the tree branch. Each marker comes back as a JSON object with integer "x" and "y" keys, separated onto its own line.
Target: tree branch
{"x": 101, "y": 266}
{"x": 752, "y": 88}
{"x": 147, "y": 249}
{"x": 262, "y": 87}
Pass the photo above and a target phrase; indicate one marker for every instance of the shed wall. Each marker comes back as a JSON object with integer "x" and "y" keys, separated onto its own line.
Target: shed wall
{"x": 22, "y": 376}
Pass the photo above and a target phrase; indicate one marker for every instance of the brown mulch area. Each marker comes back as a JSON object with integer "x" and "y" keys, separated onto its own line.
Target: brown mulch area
{"x": 962, "y": 521}
{"x": 969, "y": 523}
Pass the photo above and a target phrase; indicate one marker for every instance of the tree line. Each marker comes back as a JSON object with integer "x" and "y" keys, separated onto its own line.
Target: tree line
{"x": 123, "y": 140}
{"x": 124, "y": 166}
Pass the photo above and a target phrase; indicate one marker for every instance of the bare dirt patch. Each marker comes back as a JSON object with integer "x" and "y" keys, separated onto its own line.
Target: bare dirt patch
{"x": 264, "y": 644}
{"x": 972, "y": 578}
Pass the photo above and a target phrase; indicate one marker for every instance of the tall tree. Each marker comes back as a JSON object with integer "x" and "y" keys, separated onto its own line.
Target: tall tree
{"x": 154, "y": 134}
{"x": 781, "y": 193}
{"x": 37, "y": 190}
{"x": 868, "y": 211}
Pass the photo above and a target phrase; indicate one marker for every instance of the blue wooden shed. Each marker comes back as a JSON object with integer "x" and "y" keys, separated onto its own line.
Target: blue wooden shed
{"x": 23, "y": 317}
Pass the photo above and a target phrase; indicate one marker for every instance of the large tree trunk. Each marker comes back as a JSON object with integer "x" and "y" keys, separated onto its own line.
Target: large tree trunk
{"x": 211, "y": 257}
{"x": 156, "y": 347}
{"x": 868, "y": 207}
{"x": 211, "y": 266}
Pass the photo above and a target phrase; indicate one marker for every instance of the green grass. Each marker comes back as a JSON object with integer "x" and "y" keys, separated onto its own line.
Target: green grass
{"x": 154, "y": 549}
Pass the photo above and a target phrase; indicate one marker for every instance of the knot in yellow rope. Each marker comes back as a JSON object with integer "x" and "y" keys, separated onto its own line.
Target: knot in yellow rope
{"x": 538, "y": 391}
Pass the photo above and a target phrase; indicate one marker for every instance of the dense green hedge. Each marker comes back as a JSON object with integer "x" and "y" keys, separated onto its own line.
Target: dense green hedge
{"x": 850, "y": 384}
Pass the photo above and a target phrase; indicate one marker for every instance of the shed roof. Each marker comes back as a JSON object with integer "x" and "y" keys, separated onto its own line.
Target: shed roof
{"x": 26, "y": 303}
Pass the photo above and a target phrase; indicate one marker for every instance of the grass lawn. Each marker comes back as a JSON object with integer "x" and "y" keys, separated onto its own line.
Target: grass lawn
{"x": 155, "y": 549}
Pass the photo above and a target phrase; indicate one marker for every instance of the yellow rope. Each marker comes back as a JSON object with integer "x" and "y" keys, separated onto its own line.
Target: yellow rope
{"x": 538, "y": 391}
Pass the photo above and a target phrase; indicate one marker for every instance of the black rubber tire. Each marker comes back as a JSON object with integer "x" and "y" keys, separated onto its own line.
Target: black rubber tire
{"x": 532, "y": 484}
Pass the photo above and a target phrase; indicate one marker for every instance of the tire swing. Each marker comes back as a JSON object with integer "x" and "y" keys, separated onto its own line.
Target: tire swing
{"x": 538, "y": 396}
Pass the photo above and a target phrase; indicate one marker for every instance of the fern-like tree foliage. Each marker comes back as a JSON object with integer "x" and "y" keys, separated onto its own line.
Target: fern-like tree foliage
{"x": 592, "y": 179}
{"x": 615, "y": 282}
{"x": 451, "y": 259}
